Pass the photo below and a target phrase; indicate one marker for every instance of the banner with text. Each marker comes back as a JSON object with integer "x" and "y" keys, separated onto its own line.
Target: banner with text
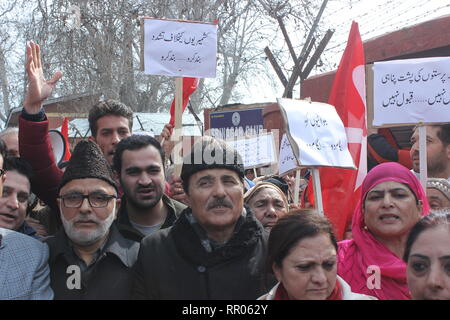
{"x": 179, "y": 48}
{"x": 316, "y": 133}
{"x": 256, "y": 151}
{"x": 411, "y": 91}
{"x": 286, "y": 160}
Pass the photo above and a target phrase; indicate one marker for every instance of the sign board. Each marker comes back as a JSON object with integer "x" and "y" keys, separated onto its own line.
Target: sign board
{"x": 316, "y": 134}
{"x": 256, "y": 151}
{"x": 238, "y": 123}
{"x": 286, "y": 160}
{"x": 411, "y": 91}
{"x": 179, "y": 48}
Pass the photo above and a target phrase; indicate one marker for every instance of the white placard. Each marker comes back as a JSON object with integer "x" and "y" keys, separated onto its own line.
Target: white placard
{"x": 180, "y": 49}
{"x": 287, "y": 160}
{"x": 316, "y": 133}
{"x": 411, "y": 91}
{"x": 255, "y": 151}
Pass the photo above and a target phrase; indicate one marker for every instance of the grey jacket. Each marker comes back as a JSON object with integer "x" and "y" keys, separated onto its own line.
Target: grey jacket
{"x": 24, "y": 271}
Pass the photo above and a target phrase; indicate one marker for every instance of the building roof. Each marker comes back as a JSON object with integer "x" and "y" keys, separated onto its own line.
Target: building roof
{"x": 152, "y": 123}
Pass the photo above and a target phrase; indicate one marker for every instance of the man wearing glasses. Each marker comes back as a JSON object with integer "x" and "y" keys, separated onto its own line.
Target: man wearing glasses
{"x": 89, "y": 258}
{"x": 15, "y": 198}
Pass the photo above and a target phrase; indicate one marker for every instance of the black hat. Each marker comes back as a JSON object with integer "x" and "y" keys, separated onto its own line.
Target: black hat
{"x": 87, "y": 161}
{"x": 210, "y": 153}
{"x": 280, "y": 183}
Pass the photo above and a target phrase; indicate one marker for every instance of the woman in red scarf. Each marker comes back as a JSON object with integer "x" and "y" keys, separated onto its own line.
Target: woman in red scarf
{"x": 302, "y": 256}
{"x": 392, "y": 202}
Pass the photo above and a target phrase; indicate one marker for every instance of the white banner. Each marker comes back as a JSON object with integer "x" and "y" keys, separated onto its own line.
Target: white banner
{"x": 316, "y": 133}
{"x": 180, "y": 49}
{"x": 256, "y": 151}
{"x": 287, "y": 160}
{"x": 411, "y": 91}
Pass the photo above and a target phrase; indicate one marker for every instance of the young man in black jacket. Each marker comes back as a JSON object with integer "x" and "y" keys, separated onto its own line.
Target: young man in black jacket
{"x": 139, "y": 164}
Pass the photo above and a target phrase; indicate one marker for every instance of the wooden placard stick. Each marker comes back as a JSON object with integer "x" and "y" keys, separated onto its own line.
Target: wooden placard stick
{"x": 297, "y": 186}
{"x": 423, "y": 155}
{"x": 317, "y": 191}
{"x": 176, "y": 135}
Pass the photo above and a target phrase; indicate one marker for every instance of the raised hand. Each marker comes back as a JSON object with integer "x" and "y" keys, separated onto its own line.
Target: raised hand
{"x": 38, "y": 89}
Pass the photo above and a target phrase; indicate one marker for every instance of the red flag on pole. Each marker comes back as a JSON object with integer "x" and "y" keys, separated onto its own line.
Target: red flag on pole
{"x": 65, "y": 133}
{"x": 189, "y": 86}
{"x": 341, "y": 187}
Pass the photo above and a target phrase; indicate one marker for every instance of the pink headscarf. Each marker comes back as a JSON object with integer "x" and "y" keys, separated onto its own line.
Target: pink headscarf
{"x": 356, "y": 255}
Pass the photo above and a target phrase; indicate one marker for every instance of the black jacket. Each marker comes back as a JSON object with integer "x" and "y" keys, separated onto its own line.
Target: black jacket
{"x": 129, "y": 232}
{"x": 173, "y": 264}
{"x": 110, "y": 276}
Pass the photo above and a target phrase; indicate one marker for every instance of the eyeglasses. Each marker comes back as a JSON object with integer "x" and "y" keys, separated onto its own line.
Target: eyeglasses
{"x": 96, "y": 200}
{"x": 2, "y": 172}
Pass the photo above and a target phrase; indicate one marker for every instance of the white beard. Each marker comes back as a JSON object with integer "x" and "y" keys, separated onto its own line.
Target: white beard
{"x": 86, "y": 238}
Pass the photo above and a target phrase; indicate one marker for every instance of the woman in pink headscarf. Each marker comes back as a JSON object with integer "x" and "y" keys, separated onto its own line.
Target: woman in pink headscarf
{"x": 392, "y": 201}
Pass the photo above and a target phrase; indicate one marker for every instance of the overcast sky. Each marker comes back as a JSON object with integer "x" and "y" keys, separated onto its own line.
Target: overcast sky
{"x": 375, "y": 18}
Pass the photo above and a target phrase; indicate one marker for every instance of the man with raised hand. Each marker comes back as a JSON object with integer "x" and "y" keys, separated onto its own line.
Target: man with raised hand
{"x": 109, "y": 121}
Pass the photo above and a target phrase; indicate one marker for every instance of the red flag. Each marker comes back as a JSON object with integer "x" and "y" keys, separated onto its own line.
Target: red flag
{"x": 341, "y": 187}
{"x": 65, "y": 133}
{"x": 189, "y": 86}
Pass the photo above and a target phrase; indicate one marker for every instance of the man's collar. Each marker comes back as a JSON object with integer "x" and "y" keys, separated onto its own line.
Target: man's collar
{"x": 120, "y": 246}
{"x": 207, "y": 243}
{"x": 25, "y": 228}
{"x": 123, "y": 217}
{"x": 115, "y": 244}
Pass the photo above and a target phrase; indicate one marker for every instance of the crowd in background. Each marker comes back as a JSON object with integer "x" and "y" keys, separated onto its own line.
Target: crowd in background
{"x": 111, "y": 223}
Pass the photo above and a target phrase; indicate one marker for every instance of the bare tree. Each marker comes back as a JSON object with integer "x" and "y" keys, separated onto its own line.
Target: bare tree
{"x": 96, "y": 46}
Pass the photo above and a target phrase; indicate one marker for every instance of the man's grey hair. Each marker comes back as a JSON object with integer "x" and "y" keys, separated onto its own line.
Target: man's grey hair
{"x": 9, "y": 130}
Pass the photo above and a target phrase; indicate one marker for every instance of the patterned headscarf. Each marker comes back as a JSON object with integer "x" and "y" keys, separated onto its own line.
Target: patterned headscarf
{"x": 261, "y": 185}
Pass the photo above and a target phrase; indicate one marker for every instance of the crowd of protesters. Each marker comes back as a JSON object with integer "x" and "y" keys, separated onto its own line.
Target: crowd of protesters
{"x": 114, "y": 224}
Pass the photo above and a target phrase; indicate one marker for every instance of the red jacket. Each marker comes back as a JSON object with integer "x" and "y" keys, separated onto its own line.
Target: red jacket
{"x": 35, "y": 146}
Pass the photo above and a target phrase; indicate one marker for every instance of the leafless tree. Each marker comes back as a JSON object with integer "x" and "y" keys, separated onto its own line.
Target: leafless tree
{"x": 96, "y": 44}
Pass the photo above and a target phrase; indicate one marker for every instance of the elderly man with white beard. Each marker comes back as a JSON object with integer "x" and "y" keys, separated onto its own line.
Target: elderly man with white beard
{"x": 89, "y": 258}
